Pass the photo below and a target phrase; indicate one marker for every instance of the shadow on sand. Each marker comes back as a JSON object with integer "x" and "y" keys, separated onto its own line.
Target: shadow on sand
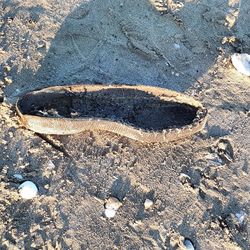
{"x": 113, "y": 42}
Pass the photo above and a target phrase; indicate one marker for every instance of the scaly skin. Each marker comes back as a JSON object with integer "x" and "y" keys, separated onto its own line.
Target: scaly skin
{"x": 66, "y": 126}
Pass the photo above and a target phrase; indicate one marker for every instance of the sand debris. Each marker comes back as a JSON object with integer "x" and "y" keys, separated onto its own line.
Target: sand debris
{"x": 7, "y": 80}
{"x": 184, "y": 178}
{"x": 225, "y": 150}
{"x": 240, "y": 217}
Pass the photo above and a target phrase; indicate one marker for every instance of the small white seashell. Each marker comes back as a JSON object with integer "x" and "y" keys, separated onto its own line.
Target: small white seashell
{"x": 18, "y": 176}
{"x": 148, "y": 203}
{"x": 110, "y": 213}
{"x": 240, "y": 217}
{"x": 188, "y": 244}
{"x": 242, "y": 63}
{"x": 28, "y": 190}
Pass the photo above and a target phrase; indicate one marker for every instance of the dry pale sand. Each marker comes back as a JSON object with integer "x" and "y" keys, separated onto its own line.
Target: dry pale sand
{"x": 184, "y": 46}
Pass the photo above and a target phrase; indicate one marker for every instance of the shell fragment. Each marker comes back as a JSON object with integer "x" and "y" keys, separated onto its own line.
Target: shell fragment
{"x": 188, "y": 244}
{"x": 148, "y": 204}
{"x": 242, "y": 63}
{"x": 240, "y": 217}
{"x": 18, "y": 176}
{"x": 111, "y": 205}
{"x": 28, "y": 190}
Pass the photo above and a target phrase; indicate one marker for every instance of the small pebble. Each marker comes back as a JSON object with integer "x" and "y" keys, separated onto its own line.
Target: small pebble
{"x": 28, "y": 190}
{"x": 18, "y": 176}
{"x": 148, "y": 204}
{"x": 242, "y": 63}
{"x": 109, "y": 213}
{"x": 188, "y": 244}
{"x": 240, "y": 217}
{"x": 111, "y": 205}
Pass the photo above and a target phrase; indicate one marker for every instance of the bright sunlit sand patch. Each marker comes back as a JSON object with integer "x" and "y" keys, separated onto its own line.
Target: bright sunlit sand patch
{"x": 233, "y": 13}
{"x": 165, "y": 6}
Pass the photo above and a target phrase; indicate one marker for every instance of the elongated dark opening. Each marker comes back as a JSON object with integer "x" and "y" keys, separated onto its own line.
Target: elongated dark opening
{"x": 137, "y": 108}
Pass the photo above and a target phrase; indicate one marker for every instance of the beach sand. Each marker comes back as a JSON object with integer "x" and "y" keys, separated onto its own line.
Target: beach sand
{"x": 183, "y": 46}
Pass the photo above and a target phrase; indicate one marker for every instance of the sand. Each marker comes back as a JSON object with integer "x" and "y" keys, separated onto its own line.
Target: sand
{"x": 184, "y": 46}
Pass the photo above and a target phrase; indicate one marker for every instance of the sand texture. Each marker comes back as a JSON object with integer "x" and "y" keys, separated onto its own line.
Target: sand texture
{"x": 199, "y": 186}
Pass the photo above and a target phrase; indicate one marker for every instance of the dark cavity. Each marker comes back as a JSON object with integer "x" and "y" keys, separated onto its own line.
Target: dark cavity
{"x": 137, "y": 108}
